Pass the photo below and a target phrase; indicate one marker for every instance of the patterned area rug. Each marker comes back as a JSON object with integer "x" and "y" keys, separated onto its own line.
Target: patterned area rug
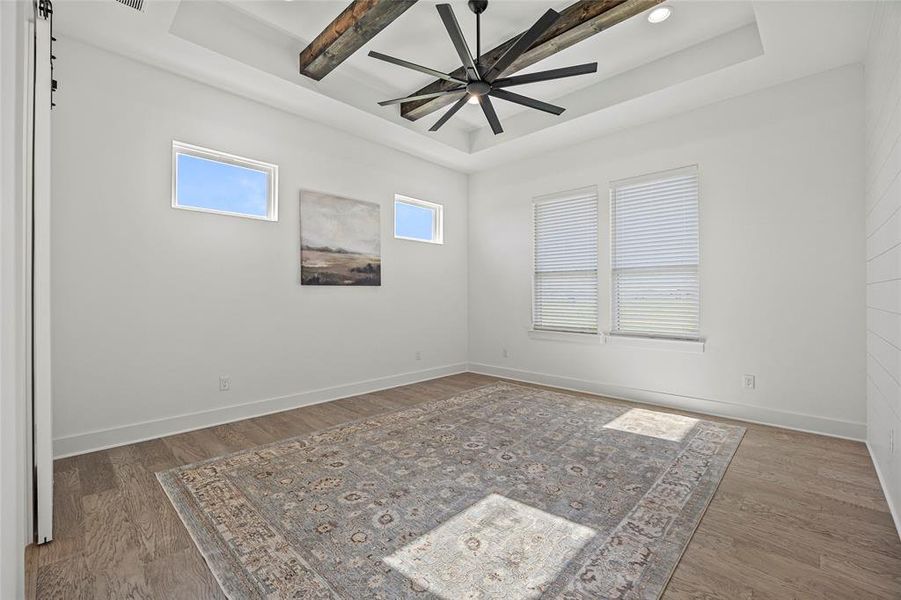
{"x": 505, "y": 492}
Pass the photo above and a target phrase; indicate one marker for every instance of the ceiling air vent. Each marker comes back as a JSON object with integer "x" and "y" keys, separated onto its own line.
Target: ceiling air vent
{"x": 135, "y": 4}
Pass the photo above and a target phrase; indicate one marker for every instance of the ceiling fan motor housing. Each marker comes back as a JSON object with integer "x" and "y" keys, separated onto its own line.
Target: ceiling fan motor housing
{"x": 478, "y": 88}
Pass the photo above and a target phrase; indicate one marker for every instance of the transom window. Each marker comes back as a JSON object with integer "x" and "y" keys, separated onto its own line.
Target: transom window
{"x": 565, "y": 280}
{"x": 418, "y": 220}
{"x": 211, "y": 181}
{"x": 655, "y": 255}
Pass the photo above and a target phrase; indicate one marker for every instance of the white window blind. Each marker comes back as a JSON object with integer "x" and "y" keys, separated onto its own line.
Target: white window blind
{"x": 655, "y": 255}
{"x": 566, "y": 262}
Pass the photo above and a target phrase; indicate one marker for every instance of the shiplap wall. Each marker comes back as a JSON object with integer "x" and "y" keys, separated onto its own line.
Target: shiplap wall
{"x": 883, "y": 223}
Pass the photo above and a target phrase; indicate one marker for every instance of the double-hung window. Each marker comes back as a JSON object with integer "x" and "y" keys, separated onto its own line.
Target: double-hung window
{"x": 565, "y": 284}
{"x": 655, "y": 255}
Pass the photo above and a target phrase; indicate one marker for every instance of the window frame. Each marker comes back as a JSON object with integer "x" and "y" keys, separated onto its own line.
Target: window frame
{"x": 203, "y": 153}
{"x": 437, "y": 219}
{"x": 568, "y": 334}
{"x": 612, "y": 334}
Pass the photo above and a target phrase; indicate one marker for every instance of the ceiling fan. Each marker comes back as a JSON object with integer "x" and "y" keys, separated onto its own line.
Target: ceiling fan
{"x": 483, "y": 82}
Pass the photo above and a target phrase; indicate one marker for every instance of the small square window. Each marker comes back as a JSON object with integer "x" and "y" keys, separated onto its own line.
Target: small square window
{"x": 216, "y": 182}
{"x": 418, "y": 220}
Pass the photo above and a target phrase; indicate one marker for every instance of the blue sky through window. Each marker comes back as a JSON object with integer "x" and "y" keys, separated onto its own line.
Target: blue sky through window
{"x": 210, "y": 184}
{"x": 413, "y": 221}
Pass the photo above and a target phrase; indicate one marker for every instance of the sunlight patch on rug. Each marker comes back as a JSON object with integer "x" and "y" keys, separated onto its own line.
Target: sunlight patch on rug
{"x": 664, "y": 426}
{"x": 496, "y": 548}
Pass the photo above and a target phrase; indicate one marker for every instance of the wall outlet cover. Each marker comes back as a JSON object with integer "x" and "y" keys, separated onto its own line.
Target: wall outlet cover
{"x": 749, "y": 382}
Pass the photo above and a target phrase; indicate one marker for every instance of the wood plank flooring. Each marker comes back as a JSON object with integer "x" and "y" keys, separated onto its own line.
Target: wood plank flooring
{"x": 796, "y": 516}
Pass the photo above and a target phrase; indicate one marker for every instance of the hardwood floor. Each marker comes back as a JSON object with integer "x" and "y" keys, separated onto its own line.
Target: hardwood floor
{"x": 796, "y": 516}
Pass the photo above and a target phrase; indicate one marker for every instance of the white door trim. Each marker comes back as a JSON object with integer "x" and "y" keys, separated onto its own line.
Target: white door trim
{"x": 40, "y": 280}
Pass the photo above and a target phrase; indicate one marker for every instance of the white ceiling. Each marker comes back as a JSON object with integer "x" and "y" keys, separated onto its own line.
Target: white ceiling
{"x": 707, "y": 51}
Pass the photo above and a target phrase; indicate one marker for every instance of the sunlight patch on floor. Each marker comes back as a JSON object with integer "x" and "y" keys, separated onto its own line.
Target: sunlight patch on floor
{"x": 664, "y": 426}
{"x": 496, "y": 548}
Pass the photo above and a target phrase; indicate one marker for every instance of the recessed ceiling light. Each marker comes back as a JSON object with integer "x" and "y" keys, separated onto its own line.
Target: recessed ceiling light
{"x": 660, "y": 14}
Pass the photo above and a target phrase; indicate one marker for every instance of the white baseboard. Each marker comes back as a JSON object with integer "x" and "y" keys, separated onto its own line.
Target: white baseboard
{"x": 137, "y": 432}
{"x": 886, "y": 491}
{"x": 744, "y": 412}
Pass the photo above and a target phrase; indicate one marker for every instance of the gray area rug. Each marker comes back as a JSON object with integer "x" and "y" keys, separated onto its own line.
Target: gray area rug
{"x": 504, "y": 491}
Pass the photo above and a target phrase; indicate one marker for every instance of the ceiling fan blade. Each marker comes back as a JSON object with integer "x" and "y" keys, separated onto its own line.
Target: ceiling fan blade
{"x": 422, "y": 97}
{"x": 524, "y": 42}
{"x": 526, "y": 101}
{"x": 456, "y": 36}
{"x": 450, "y": 112}
{"x": 405, "y": 63}
{"x": 488, "y": 109}
{"x": 546, "y": 75}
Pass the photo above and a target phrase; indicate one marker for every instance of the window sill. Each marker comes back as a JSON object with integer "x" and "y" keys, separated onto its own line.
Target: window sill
{"x": 690, "y": 346}
{"x": 566, "y": 336}
{"x": 420, "y": 240}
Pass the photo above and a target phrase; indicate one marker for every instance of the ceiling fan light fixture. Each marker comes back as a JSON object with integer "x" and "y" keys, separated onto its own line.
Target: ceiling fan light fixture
{"x": 473, "y": 99}
{"x": 660, "y": 14}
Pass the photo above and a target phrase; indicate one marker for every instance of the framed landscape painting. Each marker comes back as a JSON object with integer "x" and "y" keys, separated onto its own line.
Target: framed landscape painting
{"x": 339, "y": 241}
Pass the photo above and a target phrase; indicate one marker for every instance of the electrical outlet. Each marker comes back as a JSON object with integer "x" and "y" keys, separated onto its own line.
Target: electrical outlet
{"x": 749, "y": 382}
{"x": 418, "y": 355}
{"x": 225, "y": 383}
{"x": 504, "y": 353}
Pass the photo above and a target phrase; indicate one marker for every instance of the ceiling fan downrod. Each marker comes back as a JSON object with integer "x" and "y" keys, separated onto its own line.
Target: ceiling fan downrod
{"x": 478, "y": 7}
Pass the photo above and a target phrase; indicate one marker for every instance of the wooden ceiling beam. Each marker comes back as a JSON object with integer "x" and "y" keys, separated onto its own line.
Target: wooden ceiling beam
{"x": 577, "y": 22}
{"x": 356, "y": 25}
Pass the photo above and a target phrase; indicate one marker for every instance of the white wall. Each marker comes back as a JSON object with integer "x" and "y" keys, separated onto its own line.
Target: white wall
{"x": 14, "y": 521}
{"x": 151, "y": 304}
{"x": 883, "y": 230}
{"x": 782, "y": 247}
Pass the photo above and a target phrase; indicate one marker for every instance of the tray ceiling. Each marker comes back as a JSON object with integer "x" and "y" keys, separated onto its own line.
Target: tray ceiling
{"x": 707, "y": 51}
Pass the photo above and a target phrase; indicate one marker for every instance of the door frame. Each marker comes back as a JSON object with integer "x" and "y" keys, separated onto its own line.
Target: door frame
{"x": 37, "y": 279}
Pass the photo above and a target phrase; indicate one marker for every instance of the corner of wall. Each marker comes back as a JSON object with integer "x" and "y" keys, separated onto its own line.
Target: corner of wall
{"x": 881, "y": 192}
